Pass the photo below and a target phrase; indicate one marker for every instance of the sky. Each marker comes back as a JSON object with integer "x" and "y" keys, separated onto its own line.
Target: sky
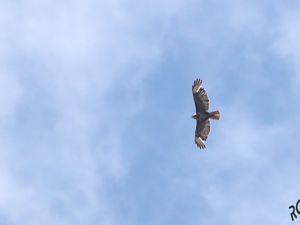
{"x": 96, "y": 106}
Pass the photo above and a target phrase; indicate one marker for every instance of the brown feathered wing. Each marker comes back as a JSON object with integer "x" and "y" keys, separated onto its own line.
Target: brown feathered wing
{"x": 200, "y": 97}
{"x": 201, "y": 133}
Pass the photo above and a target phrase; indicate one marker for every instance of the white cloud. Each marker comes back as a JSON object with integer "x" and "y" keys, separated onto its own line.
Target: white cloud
{"x": 10, "y": 92}
{"x": 286, "y": 44}
{"x": 245, "y": 175}
{"x": 61, "y": 62}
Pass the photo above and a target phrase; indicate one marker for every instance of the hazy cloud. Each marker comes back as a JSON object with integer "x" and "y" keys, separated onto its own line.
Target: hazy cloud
{"x": 96, "y": 104}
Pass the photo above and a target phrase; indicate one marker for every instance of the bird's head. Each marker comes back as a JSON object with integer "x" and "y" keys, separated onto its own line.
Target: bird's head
{"x": 195, "y": 116}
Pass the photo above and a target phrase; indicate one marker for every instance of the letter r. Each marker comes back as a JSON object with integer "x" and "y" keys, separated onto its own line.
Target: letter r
{"x": 293, "y": 212}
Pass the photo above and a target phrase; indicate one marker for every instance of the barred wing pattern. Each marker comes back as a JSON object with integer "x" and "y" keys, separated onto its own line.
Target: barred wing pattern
{"x": 201, "y": 133}
{"x": 200, "y": 97}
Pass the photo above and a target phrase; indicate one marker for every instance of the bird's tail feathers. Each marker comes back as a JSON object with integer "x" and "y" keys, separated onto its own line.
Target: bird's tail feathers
{"x": 215, "y": 115}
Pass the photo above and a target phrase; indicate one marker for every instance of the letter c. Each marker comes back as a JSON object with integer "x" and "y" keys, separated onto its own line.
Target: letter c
{"x": 297, "y": 209}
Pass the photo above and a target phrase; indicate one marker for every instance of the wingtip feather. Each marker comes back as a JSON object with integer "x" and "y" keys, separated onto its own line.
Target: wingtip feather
{"x": 200, "y": 143}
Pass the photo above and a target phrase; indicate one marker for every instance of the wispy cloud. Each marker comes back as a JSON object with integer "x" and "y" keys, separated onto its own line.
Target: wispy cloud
{"x": 93, "y": 131}
{"x": 61, "y": 134}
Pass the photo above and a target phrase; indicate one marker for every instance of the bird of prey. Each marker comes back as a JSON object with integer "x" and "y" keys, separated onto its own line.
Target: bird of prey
{"x": 202, "y": 115}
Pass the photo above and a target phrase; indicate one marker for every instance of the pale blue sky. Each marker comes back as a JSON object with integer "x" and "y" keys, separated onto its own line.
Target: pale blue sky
{"x": 96, "y": 105}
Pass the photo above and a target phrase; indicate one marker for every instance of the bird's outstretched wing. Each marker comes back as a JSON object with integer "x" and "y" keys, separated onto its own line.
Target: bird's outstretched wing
{"x": 200, "y": 96}
{"x": 201, "y": 133}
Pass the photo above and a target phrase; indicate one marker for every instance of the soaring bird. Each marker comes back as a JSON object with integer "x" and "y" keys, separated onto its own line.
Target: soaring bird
{"x": 202, "y": 115}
